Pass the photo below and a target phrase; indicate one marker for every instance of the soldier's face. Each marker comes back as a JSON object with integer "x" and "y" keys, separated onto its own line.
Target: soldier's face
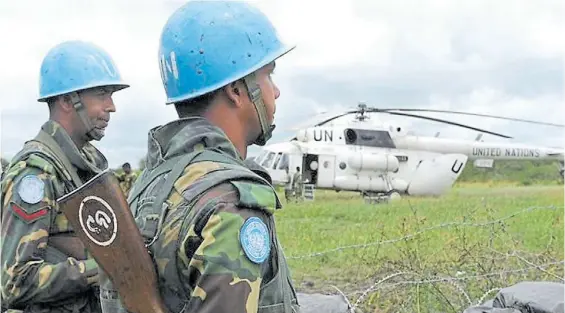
{"x": 244, "y": 107}
{"x": 99, "y": 105}
{"x": 269, "y": 89}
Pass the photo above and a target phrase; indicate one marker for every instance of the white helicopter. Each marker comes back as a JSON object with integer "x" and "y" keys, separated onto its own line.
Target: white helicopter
{"x": 384, "y": 161}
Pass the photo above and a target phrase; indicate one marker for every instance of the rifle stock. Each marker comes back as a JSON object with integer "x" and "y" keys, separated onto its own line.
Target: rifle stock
{"x": 99, "y": 214}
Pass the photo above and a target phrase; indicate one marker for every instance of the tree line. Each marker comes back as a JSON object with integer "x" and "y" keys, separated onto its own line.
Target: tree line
{"x": 524, "y": 172}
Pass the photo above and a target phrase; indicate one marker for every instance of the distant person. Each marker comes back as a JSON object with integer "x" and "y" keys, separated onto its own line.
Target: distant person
{"x": 297, "y": 183}
{"x": 45, "y": 267}
{"x": 288, "y": 187}
{"x": 127, "y": 178}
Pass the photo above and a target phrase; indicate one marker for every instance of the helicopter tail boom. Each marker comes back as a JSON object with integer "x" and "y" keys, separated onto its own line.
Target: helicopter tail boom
{"x": 479, "y": 150}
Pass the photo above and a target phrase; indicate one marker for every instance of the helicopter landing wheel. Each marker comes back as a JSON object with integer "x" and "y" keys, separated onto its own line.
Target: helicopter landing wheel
{"x": 393, "y": 195}
{"x": 373, "y": 197}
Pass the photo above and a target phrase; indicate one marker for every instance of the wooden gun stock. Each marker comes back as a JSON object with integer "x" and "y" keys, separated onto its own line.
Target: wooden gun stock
{"x": 99, "y": 214}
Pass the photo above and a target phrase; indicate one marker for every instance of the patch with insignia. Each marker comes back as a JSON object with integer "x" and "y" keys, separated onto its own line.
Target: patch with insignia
{"x": 255, "y": 240}
{"x": 31, "y": 189}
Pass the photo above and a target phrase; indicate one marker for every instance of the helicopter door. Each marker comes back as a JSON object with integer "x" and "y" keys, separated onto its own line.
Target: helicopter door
{"x": 435, "y": 176}
{"x": 326, "y": 171}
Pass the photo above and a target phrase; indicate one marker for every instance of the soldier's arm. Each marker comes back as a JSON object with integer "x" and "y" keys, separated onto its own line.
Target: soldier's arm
{"x": 119, "y": 177}
{"x": 228, "y": 279}
{"x": 28, "y": 209}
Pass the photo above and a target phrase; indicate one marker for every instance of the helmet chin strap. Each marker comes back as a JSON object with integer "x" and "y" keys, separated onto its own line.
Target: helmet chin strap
{"x": 255, "y": 94}
{"x": 91, "y": 132}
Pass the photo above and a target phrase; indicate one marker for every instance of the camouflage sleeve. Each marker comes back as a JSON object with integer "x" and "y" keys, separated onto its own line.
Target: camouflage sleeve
{"x": 224, "y": 276}
{"x": 119, "y": 176}
{"x": 27, "y": 215}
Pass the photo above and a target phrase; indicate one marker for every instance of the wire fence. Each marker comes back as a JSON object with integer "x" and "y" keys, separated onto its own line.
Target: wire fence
{"x": 480, "y": 270}
{"x": 423, "y": 231}
{"x": 453, "y": 281}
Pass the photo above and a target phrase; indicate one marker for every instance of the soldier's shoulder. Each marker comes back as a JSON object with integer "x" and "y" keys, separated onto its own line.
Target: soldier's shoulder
{"x": 31, "y": 158}
{"x": 233, "y": 195}
{"x": 31, "y": 164}
{"x": 243, "y": 193}
{"x": 256, "y": 195}
{"x": 28, "y": 191}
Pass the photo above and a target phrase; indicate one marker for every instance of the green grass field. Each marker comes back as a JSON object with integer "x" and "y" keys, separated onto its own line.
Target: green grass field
{"x": 424, "y": 254}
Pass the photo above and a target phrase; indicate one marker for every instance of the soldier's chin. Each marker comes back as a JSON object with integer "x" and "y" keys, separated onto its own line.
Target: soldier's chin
{"x": 98, "y": 133}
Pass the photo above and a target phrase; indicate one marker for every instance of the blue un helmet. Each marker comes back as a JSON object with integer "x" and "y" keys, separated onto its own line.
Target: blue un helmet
{"x": 206, "y": 45}
{"x": 75, "y": 65}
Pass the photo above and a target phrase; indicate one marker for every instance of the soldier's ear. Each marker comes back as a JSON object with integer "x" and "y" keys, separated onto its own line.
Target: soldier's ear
{"x": 235, "y": 92}
{"x": 65, "y": 104}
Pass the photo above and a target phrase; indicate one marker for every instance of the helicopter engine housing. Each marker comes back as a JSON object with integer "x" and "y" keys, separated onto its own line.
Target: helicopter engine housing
{"x": 373, "y": 162}
{"x": 367, "y": 183}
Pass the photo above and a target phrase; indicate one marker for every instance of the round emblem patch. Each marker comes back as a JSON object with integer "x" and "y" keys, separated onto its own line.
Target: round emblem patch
{"x": 254, "y": 238}
{"x": 31, "y": 189}
{"x": 98, "y": 220}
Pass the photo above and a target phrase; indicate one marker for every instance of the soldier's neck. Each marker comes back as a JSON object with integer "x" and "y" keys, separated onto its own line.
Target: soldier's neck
{"x": 230, "y": 125}
{"x": 77, "y": 139}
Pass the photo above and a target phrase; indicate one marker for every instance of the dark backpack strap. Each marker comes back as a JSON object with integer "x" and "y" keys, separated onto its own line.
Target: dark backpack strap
{"x": 160, "y": 204}
{"x": 154, "y": 173}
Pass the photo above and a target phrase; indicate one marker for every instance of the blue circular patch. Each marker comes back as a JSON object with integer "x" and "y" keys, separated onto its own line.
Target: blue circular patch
{"x": 31, "y": 189}
{"x": 255, "y": 240}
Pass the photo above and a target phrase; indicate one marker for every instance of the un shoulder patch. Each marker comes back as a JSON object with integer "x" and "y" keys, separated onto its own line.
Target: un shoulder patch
{"x": 255, "y": 240}
{"x": 31, "y": 189}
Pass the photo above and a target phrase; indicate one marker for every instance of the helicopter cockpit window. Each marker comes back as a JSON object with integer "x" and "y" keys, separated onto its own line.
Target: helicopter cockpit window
{"x": 267, "y": 162}
{"x": 277, "y": 159}
{"x": 283, "y": 164}
{"x": 261, "y": 156}
{"x": 370, "y": 138}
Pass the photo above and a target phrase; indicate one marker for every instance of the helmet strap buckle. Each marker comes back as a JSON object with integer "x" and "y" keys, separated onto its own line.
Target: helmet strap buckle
{"x": 256, "y": 97}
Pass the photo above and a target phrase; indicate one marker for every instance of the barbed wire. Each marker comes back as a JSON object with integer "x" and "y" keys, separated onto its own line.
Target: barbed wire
{"x": 451, "y": 285}
{"x": 425, "y": 230}
{"x": 485, "y": 295}
{"x": 445, "y": 279}
{"x": 515, "y": 254}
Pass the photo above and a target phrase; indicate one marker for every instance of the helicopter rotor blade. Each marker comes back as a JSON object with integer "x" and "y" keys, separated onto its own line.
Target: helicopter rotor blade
{"x": 475, "y": 114}
{"x": 444, "y": 121}
{"x": 318, "y": 119}
{"x": 334, "y": 117}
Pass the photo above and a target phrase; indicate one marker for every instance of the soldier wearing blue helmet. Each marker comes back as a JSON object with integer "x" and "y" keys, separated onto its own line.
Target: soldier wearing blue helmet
{"x": 45, "y": 267}
{"x": 206, "y": 214}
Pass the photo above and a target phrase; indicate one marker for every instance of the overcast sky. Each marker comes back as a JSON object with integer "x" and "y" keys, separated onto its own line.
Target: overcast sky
{"x": 501, "y": 57}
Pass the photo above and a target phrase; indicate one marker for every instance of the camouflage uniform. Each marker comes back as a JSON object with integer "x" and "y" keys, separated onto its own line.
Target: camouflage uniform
{"x": 45, "y": 268}
{"x": 126, "y": 181}
{"x": 297, "y": 184}
{"x": 288, "y": 188}
{"x": 193, "y": 220}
